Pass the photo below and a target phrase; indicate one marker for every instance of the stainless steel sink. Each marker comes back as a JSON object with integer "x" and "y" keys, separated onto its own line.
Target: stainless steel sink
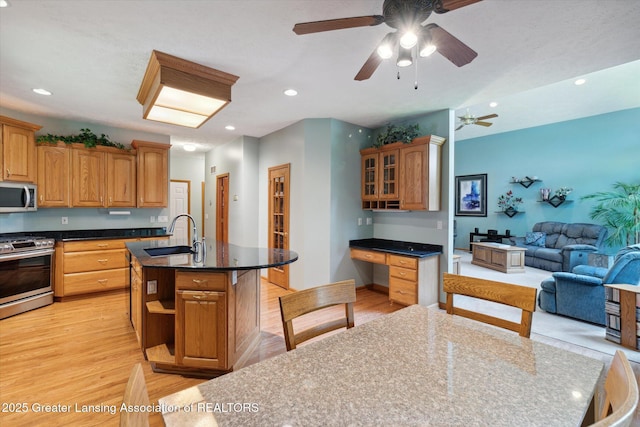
{"x": 169, "y": 250}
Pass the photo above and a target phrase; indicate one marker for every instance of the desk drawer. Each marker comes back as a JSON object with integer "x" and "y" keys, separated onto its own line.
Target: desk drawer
{"x": 369, "y": 256}
{"x": 403, "y": 273}
{"x": 403, "y": 261}
{"x": 403, "y": 291}
{"x": 76, "y": 262}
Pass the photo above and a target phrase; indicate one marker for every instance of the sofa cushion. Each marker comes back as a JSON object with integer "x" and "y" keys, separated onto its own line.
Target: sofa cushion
{"x": 549, "y": 254}
{"x": 578, "y": 234}
{"x": 549, "y": 285}
{"x": 588, "y": 270}
{"x": 535, "y": 238}
{"x": 552, "y": 230}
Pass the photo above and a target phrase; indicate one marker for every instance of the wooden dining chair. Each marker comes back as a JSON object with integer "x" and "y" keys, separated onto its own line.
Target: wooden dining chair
{"x": 135, "y": 393}
{"x": 306, "y": 301}
{"x": 522, "y": 297}
{"x": 621, "y": 394}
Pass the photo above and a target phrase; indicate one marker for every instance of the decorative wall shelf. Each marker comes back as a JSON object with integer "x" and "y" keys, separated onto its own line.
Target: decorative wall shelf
{"x": 526, "y": 182}
{"x": 556, "y": 201}
{"x": 510, "y": 212}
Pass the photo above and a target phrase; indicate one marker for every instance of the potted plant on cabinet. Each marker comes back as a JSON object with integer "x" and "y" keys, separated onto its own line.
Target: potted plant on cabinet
{"x": 397, "y": 133}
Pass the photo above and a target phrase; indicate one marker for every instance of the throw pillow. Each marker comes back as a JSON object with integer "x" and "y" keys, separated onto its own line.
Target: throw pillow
{"x": 535, "y": 238}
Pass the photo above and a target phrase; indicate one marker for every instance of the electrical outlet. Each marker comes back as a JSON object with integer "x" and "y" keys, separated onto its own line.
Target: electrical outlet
{"x": 359, "y": 221}
{"x": 439, "y": 225}
{"x": 152, "y": 219}
{"x": 65, "y": 220}
{"x": 369, "y": 221}
{"x": 152, "y": 287}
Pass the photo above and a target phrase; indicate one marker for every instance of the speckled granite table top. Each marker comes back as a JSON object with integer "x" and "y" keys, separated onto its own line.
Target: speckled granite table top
{"x": 417, "y": 366}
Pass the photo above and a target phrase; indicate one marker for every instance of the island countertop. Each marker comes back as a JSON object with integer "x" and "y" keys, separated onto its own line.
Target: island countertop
{"x": 219, "y": 256}
{"x": 418, "y": 250}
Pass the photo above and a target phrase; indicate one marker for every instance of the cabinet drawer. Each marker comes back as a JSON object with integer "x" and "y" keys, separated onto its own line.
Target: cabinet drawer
{"x": 369, "y": 256}
{"x": 94, "y": 245}
{"x": 201, "y": 281}
{"x": 403, "y": 261}
{"x": 403, "y": 291}
{"x": 95, "y": 281}
{"x": 76, "y": 262}
{"x": 403, "y": 273}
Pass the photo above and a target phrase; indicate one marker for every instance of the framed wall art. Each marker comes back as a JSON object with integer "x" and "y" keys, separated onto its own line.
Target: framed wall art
{"x": 471, "y": 195}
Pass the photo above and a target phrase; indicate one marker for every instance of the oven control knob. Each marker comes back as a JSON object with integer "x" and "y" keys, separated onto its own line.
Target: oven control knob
{"x": 5, "y": 248}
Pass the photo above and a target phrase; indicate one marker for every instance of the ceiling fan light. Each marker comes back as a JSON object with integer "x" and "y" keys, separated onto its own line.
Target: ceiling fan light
{"x": 408, "y": 40}
{"x": 426, "y": 46}
{"x": 404, "y": 58}
{"x": 385, "y": 48}
{"x": 427, "y": 50}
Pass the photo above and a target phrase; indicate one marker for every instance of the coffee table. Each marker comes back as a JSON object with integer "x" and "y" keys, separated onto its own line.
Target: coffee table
{"x": 497, "y": 256}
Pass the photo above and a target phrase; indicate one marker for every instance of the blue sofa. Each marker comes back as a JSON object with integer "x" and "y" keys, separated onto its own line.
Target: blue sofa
{"x": 580, "y": 294}
{"x": 558, "y": 246}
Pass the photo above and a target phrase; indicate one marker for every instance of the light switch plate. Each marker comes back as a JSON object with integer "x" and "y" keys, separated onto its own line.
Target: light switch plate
{"x": 163, "y": 218}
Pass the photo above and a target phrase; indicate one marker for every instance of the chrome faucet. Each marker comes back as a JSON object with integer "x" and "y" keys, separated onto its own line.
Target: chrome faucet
{"x": 197, "y": 246}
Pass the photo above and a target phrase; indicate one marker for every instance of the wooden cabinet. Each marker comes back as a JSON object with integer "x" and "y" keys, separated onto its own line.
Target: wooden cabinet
{"x": 136, "y": 298}
{"x": 411, "y": 280}
{"x": 121, "y": 179}
{"x": 17, "y": 150}
{"x": 87, "y": 187}
{"x": 53, "y": 175}
{"x": 402, "y": 176}
{"x": 103, "y": 177}
{"x": 152, "y": 173}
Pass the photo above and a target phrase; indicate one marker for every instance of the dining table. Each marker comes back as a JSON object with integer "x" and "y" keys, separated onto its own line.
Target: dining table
{"x": 418, "y": 366}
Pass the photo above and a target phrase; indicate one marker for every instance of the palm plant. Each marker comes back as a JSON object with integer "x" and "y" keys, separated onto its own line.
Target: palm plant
{"x": 619, "y": 210}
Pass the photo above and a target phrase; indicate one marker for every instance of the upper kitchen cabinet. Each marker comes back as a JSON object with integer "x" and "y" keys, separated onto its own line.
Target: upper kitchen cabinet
{"x": 153, "y": 174}
{"x": 87, "y": 188}
{"x": 121, "y": 179}
{"x": 403, "y": 176}
{"x": 53, "y": 175}
{"x": 18, "y": 150}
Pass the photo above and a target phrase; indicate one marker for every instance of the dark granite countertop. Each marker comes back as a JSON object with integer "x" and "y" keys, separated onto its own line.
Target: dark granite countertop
{"x": 112, "y": 233}
{"x": 219, "y": 256}
{"x": 418, "y": 250}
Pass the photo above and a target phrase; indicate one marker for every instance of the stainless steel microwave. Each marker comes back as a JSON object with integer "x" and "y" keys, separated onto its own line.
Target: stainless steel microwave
{"x": 18, "y": 197}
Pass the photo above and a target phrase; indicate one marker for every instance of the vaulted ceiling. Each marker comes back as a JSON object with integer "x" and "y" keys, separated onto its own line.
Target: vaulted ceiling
{"x": 92, "y": 55}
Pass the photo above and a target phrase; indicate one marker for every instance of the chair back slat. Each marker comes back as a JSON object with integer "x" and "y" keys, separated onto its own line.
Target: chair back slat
{"x": 309, "y": 300}
{"x": 521, "y": 297}
{"x": 135, "y": 393}
{"x": 621, "y": 394}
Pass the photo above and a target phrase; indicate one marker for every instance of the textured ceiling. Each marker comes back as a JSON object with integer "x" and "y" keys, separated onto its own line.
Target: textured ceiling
{"x": 92, "y": 56}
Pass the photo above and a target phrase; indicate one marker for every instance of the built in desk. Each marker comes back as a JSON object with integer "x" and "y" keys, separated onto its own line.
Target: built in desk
{"x": 416, "y": 366}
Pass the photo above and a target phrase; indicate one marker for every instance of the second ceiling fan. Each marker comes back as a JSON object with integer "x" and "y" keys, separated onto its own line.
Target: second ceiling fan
{"x": 406, "y": 18}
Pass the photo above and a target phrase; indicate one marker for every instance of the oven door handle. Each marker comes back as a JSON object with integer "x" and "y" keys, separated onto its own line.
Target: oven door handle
{"x": 27, "y": 254}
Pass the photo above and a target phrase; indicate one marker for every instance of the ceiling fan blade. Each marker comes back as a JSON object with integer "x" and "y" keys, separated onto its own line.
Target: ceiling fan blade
{"x": 337, "y": 24}
{"x": 444, "y": 6}
{"x": 490, "y": 116}
{"x": 374, "y": 60}
{"x": 486, "y": 124}
{"x": 460, "y": 127}
{"x": 450, "y": 47}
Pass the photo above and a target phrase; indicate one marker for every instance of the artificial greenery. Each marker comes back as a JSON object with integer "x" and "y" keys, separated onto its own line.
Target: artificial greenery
{"x": 619, "y": 210}
{"x": 88, "y": 138}
{"x": 395, "y": 133}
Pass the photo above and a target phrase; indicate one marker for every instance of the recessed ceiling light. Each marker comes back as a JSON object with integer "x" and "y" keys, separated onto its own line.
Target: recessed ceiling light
{"x": 230, "y": 127}
{"x": 189, "y": 147}
{"x": 4, "y": 3}
{"x": 580, "y": 82}
{"x": 41, "y": 91}
{"x": 493, "y": 104}
{"x": 291, "y": 92}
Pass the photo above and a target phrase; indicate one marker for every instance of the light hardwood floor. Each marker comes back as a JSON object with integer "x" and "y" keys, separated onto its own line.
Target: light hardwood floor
{"x": 77, "y": 355}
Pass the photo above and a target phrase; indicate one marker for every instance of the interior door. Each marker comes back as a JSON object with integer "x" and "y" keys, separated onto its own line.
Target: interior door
{"x": 279, "y": 220}
{"x": 179, "y": 203}
{"x": 222, "y": 208}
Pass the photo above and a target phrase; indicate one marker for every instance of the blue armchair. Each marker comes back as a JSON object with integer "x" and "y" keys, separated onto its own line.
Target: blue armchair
{"x": 580, "y": 294}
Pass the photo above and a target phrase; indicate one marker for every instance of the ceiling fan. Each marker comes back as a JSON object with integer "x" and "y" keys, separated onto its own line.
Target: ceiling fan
{"x": 406, "y": 18}
{"x": 470, "y": 119}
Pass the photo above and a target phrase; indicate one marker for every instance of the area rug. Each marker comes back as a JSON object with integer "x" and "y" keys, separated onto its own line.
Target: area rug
{"x": 545, "y": 324}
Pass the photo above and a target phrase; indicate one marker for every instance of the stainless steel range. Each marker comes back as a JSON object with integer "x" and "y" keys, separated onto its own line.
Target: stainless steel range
{"x": 26, "y": 273}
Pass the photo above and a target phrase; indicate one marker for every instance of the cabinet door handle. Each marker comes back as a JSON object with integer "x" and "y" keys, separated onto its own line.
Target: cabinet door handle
{"x": 199, "y": 281}
{"x": 8, "y": 172}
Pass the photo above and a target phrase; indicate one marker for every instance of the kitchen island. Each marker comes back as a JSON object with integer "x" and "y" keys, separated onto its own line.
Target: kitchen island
{"x": 198, "y": 314}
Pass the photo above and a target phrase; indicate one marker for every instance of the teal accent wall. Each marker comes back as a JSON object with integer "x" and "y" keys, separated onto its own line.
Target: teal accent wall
{"x": 588, "y": 154}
